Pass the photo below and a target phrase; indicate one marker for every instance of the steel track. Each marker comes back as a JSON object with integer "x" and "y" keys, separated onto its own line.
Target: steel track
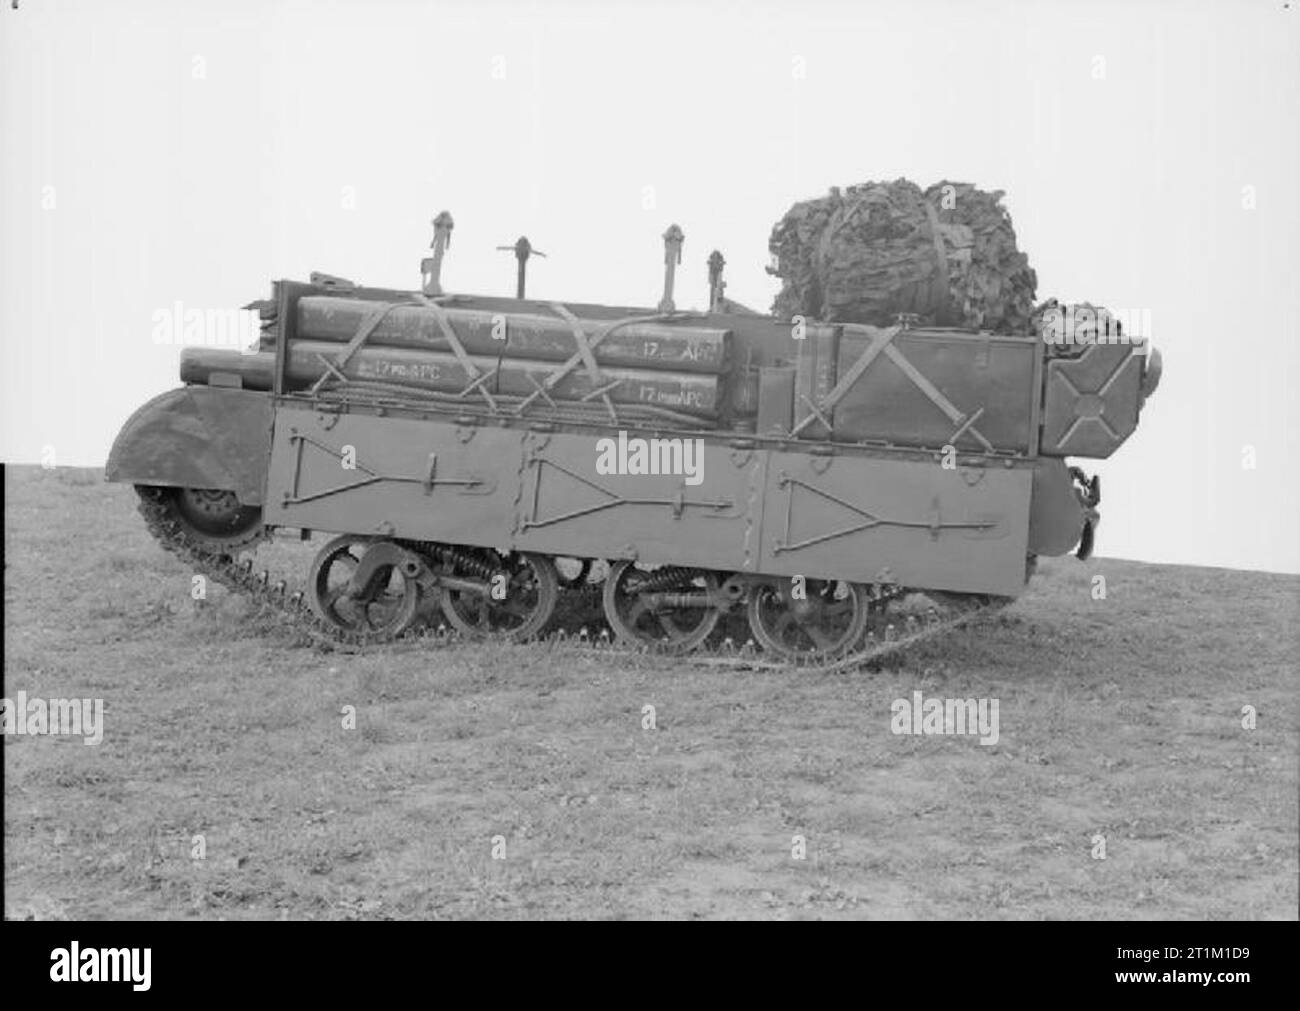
{"x": 241, "y": 577}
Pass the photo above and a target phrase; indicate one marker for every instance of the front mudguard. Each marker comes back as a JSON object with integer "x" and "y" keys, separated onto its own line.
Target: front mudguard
{"x": 197, "y": 437}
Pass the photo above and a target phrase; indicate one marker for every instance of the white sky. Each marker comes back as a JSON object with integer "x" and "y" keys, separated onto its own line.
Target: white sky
{"x": 197, "y": 150}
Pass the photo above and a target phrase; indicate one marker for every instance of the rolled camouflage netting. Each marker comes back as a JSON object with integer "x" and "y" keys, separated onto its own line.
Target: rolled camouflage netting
{"x": 947, "y": 254}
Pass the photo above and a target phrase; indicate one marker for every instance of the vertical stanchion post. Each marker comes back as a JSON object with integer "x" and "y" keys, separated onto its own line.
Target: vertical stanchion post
{"x": 431, "y": 266}
{"x": 523, "y": 249}
{"x": 673, "y": 239}
{"x": 716, "y": 283}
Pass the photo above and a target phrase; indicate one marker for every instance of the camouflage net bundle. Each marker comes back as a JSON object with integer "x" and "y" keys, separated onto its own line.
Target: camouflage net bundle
{"x": 947, "y": 255}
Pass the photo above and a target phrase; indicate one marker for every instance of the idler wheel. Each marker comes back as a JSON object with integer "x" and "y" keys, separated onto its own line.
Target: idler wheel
{"x": 827, "y": 622}
{"x": 519, "y": 597}
{"x": 669, "y": 608}
{"x": 384, "y": 608}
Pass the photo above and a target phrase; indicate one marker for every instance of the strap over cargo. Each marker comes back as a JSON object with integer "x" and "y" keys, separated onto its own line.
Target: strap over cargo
{"x": 495, "y": 326}
{"x": 854, "y": 373}
{"x": 478, "y": 379}
{"x": 334, "y": 368}
{"x": 882, "y": 342}
{"x": 584, "y": 356}
{"x": 589, "y": 361}
{"x": 983, "y": 386}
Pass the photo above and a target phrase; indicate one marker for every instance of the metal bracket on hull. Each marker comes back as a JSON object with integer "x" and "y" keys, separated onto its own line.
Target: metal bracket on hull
{"x": 677, "y": 502}
{"x": 427, "y": 480}
{"x": 933, "y": 523}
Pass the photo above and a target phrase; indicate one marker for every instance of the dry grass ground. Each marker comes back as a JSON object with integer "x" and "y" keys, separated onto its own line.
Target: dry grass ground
{"x": 1119, "y": 717}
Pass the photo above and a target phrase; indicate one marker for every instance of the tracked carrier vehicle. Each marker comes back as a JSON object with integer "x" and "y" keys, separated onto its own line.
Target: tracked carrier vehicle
{"x": 470, "y": 457}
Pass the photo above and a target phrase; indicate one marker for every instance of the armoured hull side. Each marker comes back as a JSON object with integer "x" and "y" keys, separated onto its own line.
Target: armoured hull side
{"x": 850, "y": 514}
{"x": 859, "y": 518}
{"x": 568, "y": 507}
{"x": 397, "y": 477}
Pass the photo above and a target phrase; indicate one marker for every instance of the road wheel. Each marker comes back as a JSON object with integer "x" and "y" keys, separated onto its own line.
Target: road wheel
{"x": 521, "y": 594}
{"x": 825, "y": 620}
{"x": 673, "y": 608}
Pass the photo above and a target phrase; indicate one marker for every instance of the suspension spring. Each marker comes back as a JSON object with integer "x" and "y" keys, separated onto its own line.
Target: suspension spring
{"x": 467, "y": 564}
{"x": 664, "y": 579}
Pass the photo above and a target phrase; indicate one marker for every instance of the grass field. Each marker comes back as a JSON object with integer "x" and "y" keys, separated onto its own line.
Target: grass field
{"x": 1120, "y": 718}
